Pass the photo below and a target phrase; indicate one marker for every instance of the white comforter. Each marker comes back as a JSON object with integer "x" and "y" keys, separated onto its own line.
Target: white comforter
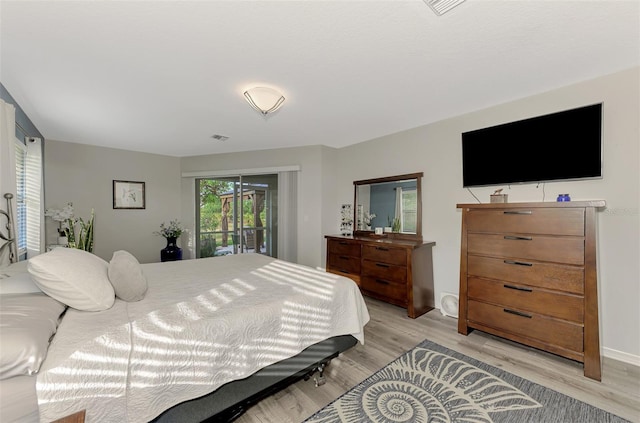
{"x": 202, "y": 324}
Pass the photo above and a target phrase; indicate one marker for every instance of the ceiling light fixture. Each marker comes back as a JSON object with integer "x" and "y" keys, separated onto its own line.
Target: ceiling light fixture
{"x": 440, "y": 7}
{"x": 263, "y": 99}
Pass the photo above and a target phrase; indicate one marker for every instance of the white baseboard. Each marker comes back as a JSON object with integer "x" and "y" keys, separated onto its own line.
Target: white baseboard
{"x": 613, "y": 354}
{"x": 621, "y": 356}
{"x": 610, "y": 353}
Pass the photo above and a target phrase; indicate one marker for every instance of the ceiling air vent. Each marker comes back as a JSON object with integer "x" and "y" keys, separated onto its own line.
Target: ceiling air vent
{"x": 440, "y": 7}
{"x": 219, "y": 137}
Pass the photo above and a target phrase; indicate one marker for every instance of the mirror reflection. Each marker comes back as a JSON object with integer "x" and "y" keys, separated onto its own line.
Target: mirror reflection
{"x": 392, "y": 205}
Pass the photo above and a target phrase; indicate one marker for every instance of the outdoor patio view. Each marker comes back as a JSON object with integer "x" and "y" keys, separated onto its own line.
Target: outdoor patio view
{"x": 236, "y": 217}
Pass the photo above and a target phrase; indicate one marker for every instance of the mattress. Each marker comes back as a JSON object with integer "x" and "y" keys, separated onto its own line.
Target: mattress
{"x": 202, "y": 324}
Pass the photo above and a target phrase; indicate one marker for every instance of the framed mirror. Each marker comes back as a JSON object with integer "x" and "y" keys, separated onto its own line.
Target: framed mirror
{"x": 393, "y": 203}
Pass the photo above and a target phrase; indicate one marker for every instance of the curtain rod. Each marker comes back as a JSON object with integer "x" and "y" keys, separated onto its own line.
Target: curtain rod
{"x": 21, "y": 128}
{"x": 237, "y": 172}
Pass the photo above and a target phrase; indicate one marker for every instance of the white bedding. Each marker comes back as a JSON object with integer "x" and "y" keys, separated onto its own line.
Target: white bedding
{"x": 19, "y": 402}
{"x": 202, "y": 324}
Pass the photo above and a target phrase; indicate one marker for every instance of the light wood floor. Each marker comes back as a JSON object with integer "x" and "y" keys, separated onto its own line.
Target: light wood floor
{"x": 391, "y": 333}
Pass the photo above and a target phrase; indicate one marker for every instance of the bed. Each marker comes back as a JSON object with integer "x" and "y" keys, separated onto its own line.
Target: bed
{"x": 178, "y": 341}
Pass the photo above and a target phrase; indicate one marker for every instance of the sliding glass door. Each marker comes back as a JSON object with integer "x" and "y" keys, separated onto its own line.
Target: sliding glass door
{"x": 237, "y": 215}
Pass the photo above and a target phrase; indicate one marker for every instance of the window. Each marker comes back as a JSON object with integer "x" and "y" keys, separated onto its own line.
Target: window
{"x": 237, "y": 214}
{"x": 278, "y": 219}
{"x": 409, "y": 210}
{"x": 21, "y": 195}
{"x": 28, "y": 200}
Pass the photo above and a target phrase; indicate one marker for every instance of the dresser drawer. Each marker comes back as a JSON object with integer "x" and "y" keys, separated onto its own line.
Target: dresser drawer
{"x": 345, "y": 248}
{"x": 523, "y": 297}
{"x": 543, "y": 275}
{"x": 344, "y": 264}
{"x": 531, "y": 325}
{"x": 384, "y": 271}
{"x": 566, "y": 250}
{"x": 564, "y": 221}
{"x": 386, "y": 289}
{"x": 385, "y": 254}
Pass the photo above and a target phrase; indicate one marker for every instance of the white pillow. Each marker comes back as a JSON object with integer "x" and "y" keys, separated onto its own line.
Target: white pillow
{"x": 21, "y": 283}
{"x": 125, "y": 274}
{"x": 74, "y": 277}
{"x": 28, "y": 322}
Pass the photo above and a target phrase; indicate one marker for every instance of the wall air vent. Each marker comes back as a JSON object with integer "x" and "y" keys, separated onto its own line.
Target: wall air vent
{"x": 440, "y": 7}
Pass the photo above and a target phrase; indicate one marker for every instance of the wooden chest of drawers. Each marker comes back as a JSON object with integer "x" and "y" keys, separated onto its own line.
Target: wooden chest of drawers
{"x": 397, "y": 271}
{"x": 528, "y": 273}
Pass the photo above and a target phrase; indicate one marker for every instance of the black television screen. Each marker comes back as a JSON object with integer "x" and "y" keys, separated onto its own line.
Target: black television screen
{"x": 559, "y": 146}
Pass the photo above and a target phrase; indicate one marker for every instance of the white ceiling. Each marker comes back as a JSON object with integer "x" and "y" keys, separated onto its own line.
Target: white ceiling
{"x": 163, "y": 77}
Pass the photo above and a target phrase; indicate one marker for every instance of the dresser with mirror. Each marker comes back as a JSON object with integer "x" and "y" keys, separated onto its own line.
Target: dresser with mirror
{"x": 386, "y": 255}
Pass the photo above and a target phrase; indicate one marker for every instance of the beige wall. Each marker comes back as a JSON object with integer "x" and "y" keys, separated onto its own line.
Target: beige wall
{"x": 435, "y": 149}
{"x": 83, "y": 175}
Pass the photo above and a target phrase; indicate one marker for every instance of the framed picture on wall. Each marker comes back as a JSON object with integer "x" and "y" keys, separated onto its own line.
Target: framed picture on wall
{"x": 128, "y": 195}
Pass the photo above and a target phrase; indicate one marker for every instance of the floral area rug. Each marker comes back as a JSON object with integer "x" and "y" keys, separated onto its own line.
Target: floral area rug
{"x": 434, "y": 384}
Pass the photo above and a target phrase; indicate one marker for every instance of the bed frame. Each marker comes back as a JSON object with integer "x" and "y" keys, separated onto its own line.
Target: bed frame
{"x": 231, "y": 400}
{"x": 9, "y": 237}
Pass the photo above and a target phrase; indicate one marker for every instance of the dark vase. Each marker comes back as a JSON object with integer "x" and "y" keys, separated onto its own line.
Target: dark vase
{"x": 171, "y": 252}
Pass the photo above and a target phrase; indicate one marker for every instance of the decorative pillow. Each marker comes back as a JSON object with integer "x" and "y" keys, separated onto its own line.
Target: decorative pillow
{"x": 125, "y": 274}
{"x": 28, "y": 323}
{"x": 19, "y": 284}
{"x": 74, "y": 277}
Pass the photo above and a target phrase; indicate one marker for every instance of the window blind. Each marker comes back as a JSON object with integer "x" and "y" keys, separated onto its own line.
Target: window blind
{"x": 21, "y": 205}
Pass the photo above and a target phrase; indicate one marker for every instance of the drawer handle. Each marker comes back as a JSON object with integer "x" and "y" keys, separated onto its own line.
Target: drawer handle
{"x": 517, "y": 313}
{"x": 517, "y": 212}
{"x": 518, "y": 238}
{"x": 344, "y": 271}
{"x": 343, "y": 243}
{"x": 382, "y": 249}
{"x": 344, "y": 258}
{"x": 381, "y": 281}
{"x": 382, "y": 265}
{"x": 518, "y": 263}
{"x": 518, "y": 288}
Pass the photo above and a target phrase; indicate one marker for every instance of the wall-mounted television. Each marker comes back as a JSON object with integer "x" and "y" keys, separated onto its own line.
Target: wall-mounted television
{"x": 565, "y": 145}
